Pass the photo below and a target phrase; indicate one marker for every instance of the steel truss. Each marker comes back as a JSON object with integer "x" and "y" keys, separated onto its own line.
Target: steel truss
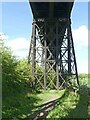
{"x": 52, "y": 49}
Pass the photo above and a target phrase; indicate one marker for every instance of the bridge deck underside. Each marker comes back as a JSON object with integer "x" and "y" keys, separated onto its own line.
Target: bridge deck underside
{"x": 51, "y": 9}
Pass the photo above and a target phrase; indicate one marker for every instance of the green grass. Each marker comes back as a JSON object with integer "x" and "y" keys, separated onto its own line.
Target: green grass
{"x": 72, "y": 106}
{"x": 22, "y": 104}
{"x": 49, "y": 95}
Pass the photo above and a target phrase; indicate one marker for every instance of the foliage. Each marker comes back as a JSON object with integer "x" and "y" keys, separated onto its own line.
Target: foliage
{"x": 15, "y": 83}
{"x": 14, "y": 72}
{"x": 18, "y": 98}
{"x": 9, "y": 73}
{"x": 25, "y": 72}
{"x": 84, "y": 79}
{"x": 24, "y": 104}
{"x": 72, "y": 105}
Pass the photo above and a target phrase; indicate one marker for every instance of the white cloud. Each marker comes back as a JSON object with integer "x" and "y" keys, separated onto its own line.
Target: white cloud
{"x": 82, "y": 66}
{"x": 21, "y": 53}
{"x": 80, "y": 36}
{"x": 19, "y": 46}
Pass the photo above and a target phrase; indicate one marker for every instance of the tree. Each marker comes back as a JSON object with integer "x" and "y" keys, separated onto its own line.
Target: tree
{"x": 9, "y": 74}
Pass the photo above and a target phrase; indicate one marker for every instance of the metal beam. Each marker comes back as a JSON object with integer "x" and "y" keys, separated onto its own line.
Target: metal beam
{"x": 54, "y": 40}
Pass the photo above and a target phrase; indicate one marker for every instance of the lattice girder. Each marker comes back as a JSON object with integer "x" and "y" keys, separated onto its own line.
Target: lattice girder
{"x": 52, "y": 49}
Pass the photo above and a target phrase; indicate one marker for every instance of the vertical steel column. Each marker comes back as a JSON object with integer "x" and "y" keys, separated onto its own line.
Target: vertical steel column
{"x": 31, "y": 42}
{"x": 69, "y": 50}
{"x": 34, "y": 52}
{"x": 60, "y": 59}
{"x": 45, "y": 49}
{"x": 57, "y": 53}
{"x": 61, "y": 71}
{"x": 74, "y": 55}
{"x": 42, "y": 56}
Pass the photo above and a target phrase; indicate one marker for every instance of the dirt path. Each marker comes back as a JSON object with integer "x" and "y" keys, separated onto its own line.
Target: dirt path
{"x": 43, "y": 112}
{"x": 45, "y": 108}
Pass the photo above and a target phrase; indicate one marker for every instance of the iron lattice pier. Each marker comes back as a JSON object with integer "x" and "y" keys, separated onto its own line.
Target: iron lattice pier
{"x": 52, "y": 49}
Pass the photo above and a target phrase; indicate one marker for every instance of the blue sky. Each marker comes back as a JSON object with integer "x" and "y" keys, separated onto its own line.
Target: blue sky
{"x": 17, "y": 19}
{"x": 17, "y": 25}
{"x": 80, "y": 14}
